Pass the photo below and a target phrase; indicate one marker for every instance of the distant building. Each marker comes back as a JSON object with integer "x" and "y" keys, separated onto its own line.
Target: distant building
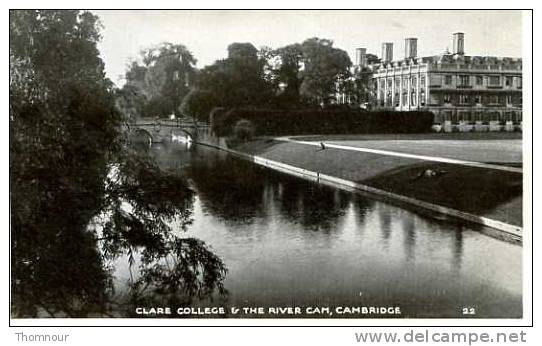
{"x": 454, "y": 86}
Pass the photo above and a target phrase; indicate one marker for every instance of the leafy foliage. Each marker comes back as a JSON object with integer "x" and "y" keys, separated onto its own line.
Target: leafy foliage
{"x": 198, "y": 104}
{"x": 324, "y": 65}
{"x": 161, "y": 83}
{"x": 294, "y": 76}
{"x": 80, "y": 196}
{"x": 237, "y": 80}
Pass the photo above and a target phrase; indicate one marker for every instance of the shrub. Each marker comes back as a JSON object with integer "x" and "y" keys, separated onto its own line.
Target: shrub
{"x": 243, "y": 130}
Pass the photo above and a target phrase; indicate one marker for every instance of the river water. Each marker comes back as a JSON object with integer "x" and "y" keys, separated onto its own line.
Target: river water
{"x": 291, "y": 242}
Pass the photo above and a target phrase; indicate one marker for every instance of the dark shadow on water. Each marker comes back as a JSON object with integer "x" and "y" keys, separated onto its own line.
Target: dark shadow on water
{"x": 239, "y": 191}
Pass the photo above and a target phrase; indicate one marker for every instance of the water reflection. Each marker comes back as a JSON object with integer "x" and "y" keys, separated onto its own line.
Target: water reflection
{"x": 283, "y": 240}
{"x": 288, "y": 241}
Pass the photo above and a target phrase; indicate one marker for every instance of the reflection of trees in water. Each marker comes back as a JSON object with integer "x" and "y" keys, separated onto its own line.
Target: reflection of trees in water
{"x": 385, "y": 223}
{"x": 229, "y": 188}
{"x": 363, "y": 205}
{"x": 314, "y": 206}
{"x": 239, "y": 191}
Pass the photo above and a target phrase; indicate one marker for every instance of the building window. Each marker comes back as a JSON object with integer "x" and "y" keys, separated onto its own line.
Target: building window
{"x": 508, "y": 81}
{"x": 494, "y": 80}
{"x": 479, "y": 80}
{"x": 519, "y": 82}
{"x": 405, "y": 83}
{"x": 447, "y": 98}
{"x": 422, "y": 97}
{"x": 464, "y": 116}
{"x": 509, "y": 99}
{"x": 494, "y": 99}
{"x": 463, "y": 99}
{"x": 390, "y": 83}
{"x": 422, "y": 82}
{"x": 405, "y": 98}
{"x": 414, "y": 82}
{"x": 435, "y": 79}
{"x": 448, "y": 80}
{"x": 464, "y": 80}
{"x": 413, "y": 98}
{"x": 478, "y": 99}
{"x": 397, "y": 99}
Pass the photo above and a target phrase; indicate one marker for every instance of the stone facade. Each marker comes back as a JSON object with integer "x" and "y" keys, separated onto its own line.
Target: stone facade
{"x": 456, "y": 87}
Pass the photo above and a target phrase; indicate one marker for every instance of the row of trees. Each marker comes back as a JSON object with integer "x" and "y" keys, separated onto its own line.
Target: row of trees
{"x": 165, "y": 80}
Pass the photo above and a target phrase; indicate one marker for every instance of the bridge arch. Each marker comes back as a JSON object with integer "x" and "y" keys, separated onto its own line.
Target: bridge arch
{"x": 140, "y": 135}
{"x": 179, "y": 131}
{"x": 165, "y": 130}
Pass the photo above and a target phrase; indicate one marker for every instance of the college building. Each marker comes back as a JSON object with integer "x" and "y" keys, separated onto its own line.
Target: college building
{"x": 457, "y": 88}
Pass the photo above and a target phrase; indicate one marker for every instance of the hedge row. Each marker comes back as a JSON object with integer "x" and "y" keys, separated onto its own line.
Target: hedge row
{"x": 300, "y": 122}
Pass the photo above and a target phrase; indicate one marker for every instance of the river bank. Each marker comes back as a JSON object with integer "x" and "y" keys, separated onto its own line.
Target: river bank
{"x": 479, "y": 192}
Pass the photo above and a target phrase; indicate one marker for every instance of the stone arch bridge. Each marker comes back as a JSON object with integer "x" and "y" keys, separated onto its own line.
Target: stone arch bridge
{"x": 157, "y": 130}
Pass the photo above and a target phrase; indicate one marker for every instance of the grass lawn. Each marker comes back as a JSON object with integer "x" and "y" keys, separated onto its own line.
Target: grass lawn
{"x": 485, "y": 192}
{"x": 417, "y": 136}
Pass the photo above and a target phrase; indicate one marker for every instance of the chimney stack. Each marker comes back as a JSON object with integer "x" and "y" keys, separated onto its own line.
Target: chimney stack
{"x": 361, "y": 57}
{"x": 411, "y": 47}
{"x": 387, "y": 52}
{"x": 459, "y": 43}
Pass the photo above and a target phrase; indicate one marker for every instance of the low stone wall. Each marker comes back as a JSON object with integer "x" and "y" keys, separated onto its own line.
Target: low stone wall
{"x": 463, "y": 126}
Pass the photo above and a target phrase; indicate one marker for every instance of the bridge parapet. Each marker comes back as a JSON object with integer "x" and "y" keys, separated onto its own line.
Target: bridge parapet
{"x": 165, "y": 130}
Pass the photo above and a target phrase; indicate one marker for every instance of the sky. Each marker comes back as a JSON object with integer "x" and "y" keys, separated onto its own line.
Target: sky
{"x": 208, "y": 33}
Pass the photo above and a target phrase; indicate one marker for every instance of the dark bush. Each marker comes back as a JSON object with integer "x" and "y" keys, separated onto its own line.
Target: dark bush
{"x": 314, "y": 121}
{"x": 216, "y": 118}
{"x": 243, "y": 130}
